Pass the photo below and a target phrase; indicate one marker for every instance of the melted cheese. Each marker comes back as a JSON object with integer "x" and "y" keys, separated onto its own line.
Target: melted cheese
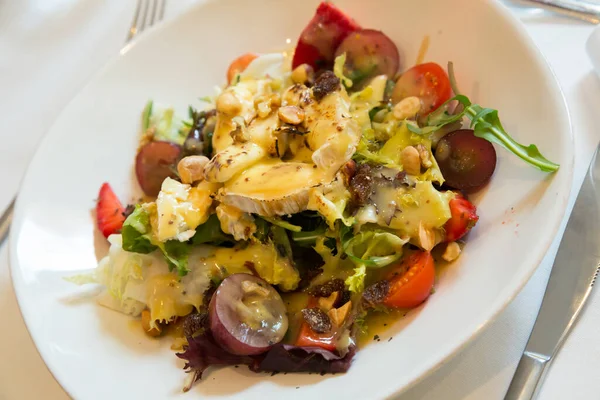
{"x": 333, "y": 134}
{"x": 165, "y": 297}
{"x": 245, "y": 92}
{"x": 273, "y": 179}
{"x": 180, "y": 208}
{"x": 419, "y": 205}
{"x": 259, "y": 258}
{"x": 136, "y": 281}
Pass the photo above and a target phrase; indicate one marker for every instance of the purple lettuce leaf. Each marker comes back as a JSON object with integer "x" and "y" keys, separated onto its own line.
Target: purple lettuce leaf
{"x": 286, "y": 358}
{"x": 202, "y": 352}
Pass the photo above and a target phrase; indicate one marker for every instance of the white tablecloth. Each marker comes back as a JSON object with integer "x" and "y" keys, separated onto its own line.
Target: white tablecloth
{"x": 50, "y": 48}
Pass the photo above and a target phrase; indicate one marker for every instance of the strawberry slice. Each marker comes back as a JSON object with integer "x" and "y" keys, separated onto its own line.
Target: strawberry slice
{"x": 109, "y": 211}
{"x": 464, "y": 217}
{"x": 321, "y": 37}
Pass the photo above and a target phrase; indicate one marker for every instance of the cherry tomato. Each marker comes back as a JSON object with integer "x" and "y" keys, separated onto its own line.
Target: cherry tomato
{"x": 464, "y": 217}
{"x": 309, "y": 338}
{"x": 238, "y": 65}
{"x": 412, "y": 281}
{"x": 427, "y": 81}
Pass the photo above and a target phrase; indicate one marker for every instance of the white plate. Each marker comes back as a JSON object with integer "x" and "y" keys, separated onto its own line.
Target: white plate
{"x": 95, "y": 353}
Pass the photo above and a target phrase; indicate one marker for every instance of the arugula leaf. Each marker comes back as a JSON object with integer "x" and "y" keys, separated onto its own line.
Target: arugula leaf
{"x": 146, "y": 114}
{"x": 210, "y": 232}
{"x": 440, "y": 117}
{"x": 136, "y": 232}
{"x": 358, "y": 76}
{"x": 373, "y": 111}
{"x": 486, "y": 124}
{"x": 281, "y": 242}
{"x": 283, "y": 224}
{"x": 308, "y": 238}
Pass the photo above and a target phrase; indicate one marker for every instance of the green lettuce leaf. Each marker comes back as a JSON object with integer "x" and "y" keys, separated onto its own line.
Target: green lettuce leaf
{"x": 369, "y": 249}
{"x": 210, "y": 233}
{"x": 177, "y": 254}
{"x": 374, "y": 248}
{"x": 137, "y": 238}
{"x": 137, "y": 232}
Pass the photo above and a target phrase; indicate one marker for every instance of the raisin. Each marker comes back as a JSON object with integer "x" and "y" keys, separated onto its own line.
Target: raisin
{"x": 376, "y": 293}
{"x": 317, "y": 319}
{"x": 326, "y": 83}
{"x": 326, "y": 289}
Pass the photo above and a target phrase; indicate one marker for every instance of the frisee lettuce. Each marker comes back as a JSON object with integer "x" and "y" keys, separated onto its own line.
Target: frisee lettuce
{"x": 356, "y": 281}
{"x": 374, "y": 248}
{"x": 369, "y": 249}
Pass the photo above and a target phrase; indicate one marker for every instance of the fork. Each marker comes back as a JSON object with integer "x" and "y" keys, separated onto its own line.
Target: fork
{"x": 147, "y": 13}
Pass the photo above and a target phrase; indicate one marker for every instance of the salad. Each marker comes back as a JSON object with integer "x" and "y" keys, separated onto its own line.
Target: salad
{"x": 316, "y": 191}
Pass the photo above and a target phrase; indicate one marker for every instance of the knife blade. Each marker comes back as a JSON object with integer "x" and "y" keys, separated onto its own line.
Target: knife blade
{"x": 573, "y": 275}
{"x": 575, "y": 9}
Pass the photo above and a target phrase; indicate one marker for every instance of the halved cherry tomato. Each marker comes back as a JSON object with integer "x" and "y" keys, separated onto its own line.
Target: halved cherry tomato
{"x": 238, "y": 65}
{"x": 464, "y": 217}
{"x": 323, "y": 34}
{"x": 411, "y": 282}
{"x": 309, "y": 338}
{"x": 428, "y": 81}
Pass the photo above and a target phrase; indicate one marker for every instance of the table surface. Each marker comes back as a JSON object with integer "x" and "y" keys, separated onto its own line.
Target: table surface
{"x": 50, "y": 48}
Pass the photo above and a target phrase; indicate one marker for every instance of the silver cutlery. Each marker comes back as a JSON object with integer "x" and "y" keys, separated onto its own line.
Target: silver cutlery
{"x": 147, "y": 13}
{"x": 585, "y": 11}
{"x": 573, "y": 275}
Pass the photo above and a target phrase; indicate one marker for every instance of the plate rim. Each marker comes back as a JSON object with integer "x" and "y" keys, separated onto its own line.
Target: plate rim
{"x": 471, "y": 332}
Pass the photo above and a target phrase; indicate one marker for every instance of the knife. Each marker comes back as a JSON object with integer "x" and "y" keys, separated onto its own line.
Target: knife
{"x": 5, "y": 220}
{"x": 573, "y": 275}
{"x": 585, "y": 11}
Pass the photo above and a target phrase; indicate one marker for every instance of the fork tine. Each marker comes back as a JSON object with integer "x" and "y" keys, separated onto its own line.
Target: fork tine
{"x": 161, "y": 13}
{"x": 147, "y": 13}
{"x": 133, "y": 30}
{"x": 153, "y": 13}
{"x": 144, "y": 15}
